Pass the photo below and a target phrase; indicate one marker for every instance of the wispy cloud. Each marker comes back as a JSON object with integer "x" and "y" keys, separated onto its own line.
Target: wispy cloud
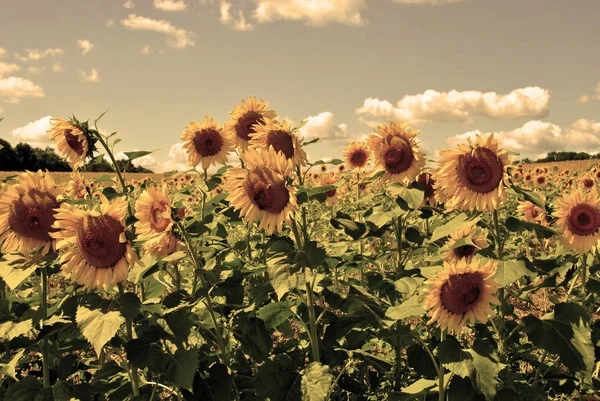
{"x": 129, "y": 4}
{"x": 91, "y": 76}
{"x": 58, "y": 67}
{"x": 7, "y": 69}
{"x": 312, "y": 12}
{"x": 177, "y": 38}
{"x": 170, "y": 5}
{"x": 35, "y": 54}
{"x": 3, "y": 52}
{"x": 13, "y": 89}
{"x": 588, "y": 98}
{"x": 239, "y": 23}
{"x": 85, "y": 45}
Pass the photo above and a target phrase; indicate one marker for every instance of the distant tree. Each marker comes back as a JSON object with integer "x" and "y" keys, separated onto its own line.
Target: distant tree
{"x": 8, "y": 157}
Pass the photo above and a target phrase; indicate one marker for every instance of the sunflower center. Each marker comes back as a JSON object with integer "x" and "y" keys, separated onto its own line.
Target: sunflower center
{"x": 426, "y": 182}
{"x": 465, "y": 251}
{"x": 98, "y": 241}
{"x": 584, "y": 219}
{"x": 270, "y": 197}
{"x": 481, "y": 171}
{"x": 461, "y": 292}
{"x": 73, "y": 142}
{"x": 588, "y": 183}
{"x": 32, "y": 215}
{"x": 331, "y": 193}
{"x": 282, "y": 142}
{"x": 358, "y": 158}
{"x": 534, "y": 213}
{"x": 208, "y": 142}
{"x": 398, "y": 157}
{"x": 244, "y": 126}
{"x": 157, "y": 221}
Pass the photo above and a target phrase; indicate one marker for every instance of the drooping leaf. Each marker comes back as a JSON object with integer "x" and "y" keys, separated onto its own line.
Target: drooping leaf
{"x": 137, "y": 154}
{"x": 97, "y": 327}
{"x": 278, "y": 380}
{"x": 284, "y": 276}
{"x": 510, "y": 271}
{"x": 456, "y": 224}
{"x": 25, "y": 389}
{"x": 409, "y": 308}
{"x": 275, "y": 313}
{"x": 316, "y": 382}
{"x": 14, "y": 269}
{"x": 10, "y": 330}
{"x": 412, "y": 196}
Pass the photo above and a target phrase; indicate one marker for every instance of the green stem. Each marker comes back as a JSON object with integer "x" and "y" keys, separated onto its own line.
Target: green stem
{"x": 45, "y": 351}
{"x": 501, "y": 294}
{"x": 297, "y": 236}
{"x": 584, "y": 278}
{"x": 248, "y": 248}
{"x": 441, "y": 388}
{"x": 314, "y": 339}
{"x": 177, "y": 277}
{"x": 135, "y": 379}
{"x": 398, "y": 231}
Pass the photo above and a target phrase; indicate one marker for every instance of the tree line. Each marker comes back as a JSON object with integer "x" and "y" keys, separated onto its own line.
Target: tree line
{"x": 562, "y": 156}
{"x": 26, "y": 157}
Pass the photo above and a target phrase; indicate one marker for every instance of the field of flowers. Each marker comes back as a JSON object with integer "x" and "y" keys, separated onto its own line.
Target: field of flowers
{"x": 375, "y": 276}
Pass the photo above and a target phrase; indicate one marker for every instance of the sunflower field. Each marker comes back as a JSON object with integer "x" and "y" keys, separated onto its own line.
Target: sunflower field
{"x": 381, "y": 275}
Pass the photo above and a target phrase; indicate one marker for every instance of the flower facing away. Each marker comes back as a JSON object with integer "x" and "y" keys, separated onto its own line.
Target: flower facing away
{"x": 462, "y": 292}
{"x": 457, "y": 252}
{"x": 260, "y": 191}
{"x": 95, "y": 251}
{"x": 76, "y": 186}
{"x": 154, "y": 226}
{"x": 72, "y": 142}
{"x": 244, "y": 118}
{"x": 356, "y": 155}
{"x": 472, "y": 177}
{"x": 395, "y": 150}
{"x": 279, "y": 136}
{"x": 426, "y": 181}
{"x": 532, "y": 213}
{"x": 579, "y": 219}
{"x": 206, "y": 143}
{"x": 333, "y": 195}
{"x": 27, "y": 213}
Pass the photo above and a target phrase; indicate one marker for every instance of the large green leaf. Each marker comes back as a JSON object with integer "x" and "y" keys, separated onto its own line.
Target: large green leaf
{"x": 353, "y": 228}
{"x": 284, "y": 276}
{"x": 10, "y": 330}
{"x": 456, "y": 224}
{"x": 316, "y": 382}
{"x": 25, "y": 389}
{"x": 275, "y": 313}
{"x": 409, "y": 308}
{"x": 566, "y": 334}
{"x": 14, "y": 269}
{"x": 510, "y": 271}
{"x": 278, "y": 380}
{"x": 412, "y": 196}
{"x": 97, "y": 327}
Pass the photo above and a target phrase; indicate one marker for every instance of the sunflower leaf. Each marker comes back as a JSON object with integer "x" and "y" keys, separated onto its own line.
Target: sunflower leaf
{"x": 137, "y": 154}
{"x": 510, "y": 271}
{"x": 409, "y": 308}
{"x": 97, "y": 327}
{"x": 316, "y": 382}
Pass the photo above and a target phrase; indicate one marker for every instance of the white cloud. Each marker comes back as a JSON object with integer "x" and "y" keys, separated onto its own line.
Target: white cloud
{"x": 323, "y": 126}
{"x": 85, "y": 45}
{"x": 58, "y": 67}
{"x": 92, "y": 76}
{"x": 539, "y": 137}
{"x": 588, "y": 98}
{"x": 430, "y": 2}
{"x": 178, "y": 38}
{"x": 314, "y": 12}
{"x": 35, "y": 54}
{"x": 145, "y": 49}
{"x": 457, "y": 106}
{"x": 7, "y": 69}
{"x": 2, "y": 52}
{"x": 110, "y": 23}
{"x": 36, "y": 70}
{"x": 177, "y": 160}
{"x": 12, "y": 89}
{"x": 170, "y": 5}
{"x": 147, "y": 161}
{"x": 239, "y": 24}
{"x": 129, "y": 4}
{"x": 34, "y": 133}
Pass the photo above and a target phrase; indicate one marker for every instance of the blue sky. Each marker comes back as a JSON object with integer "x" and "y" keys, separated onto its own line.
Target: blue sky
{"x": 526, "y": 69}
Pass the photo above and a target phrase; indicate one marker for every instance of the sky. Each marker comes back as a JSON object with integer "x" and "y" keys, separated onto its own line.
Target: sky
{"x": 524, "y": 69}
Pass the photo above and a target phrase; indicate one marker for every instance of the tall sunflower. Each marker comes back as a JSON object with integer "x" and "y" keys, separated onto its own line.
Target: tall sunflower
{"x": 457, "y": 253}
{"x": 472, "y": 177}
{"x": 279, "y": 136}
{"x": 356, "y": 155}
{"x": 260, "y": 191}
{"x": 462, "y": 292}
{"x": 395, "y": 150}
{"x": 244, "y": 118}
{"x": 27, "y": 213}
{"x": 206, "y": 143}
{"x": 154, "y": 226}
{"x": 74, "y": 144}
{"x": 579, "y": 218}
{"x": 95, "y": 250}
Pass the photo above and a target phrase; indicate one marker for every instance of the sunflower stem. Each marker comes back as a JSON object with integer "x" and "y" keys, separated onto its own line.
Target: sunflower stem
{"x": 398, "y": 231}
{"x": 441, "y": 388}
{"x": 248, "y": 234}
{"x": 297, "y": 236}
{"x": 312, "y": 322}
{"x": 501, "y": 294}
{"x": 177, "y": 277}
{"x": 135, "y": 379}
{"x": 45, "y": 351}
{"x": 584, "y": 279}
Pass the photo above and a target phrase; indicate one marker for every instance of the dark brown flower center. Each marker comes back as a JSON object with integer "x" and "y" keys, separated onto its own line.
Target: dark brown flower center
{"x": 32, "y": 215}
{"x": 208, "y": 142}
{"x": 398, "y": 157}
{"x": 461, "y": 292}
{"x": 588, "y": 183}
{"x": 358, "y": 158}
{"x": 331, "y": 193}
{"x": 583, "y": 219}
{"x": 481, "y": 170}
{"x": 534, "y": 213}
{"x": 465, "y": 251}
{"x": 541, "y": 179}
{"x": 98, "y": 241}
{"x": 244, "y": 126}
{"x": 157, "y": 221}
{"x": 73, "y": 142}
{"x": 282, "y": 142}
{"x": 426, "y": 183}
{"x": 271, "y": 197}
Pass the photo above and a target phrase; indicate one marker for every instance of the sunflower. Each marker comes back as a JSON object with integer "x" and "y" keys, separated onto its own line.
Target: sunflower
{"x": 278, "y": 135}
{"x": 333, "y": 195}
{"x": 206, "y": 143}
{"x": 579, "y": 218}
{"x": 532, "y": 213}
{"x": 541, "y": 181}
{"x": 76, "y": 186}
{"x": 356, "y": 155}
{"x": 242, "y": 123}
{"x": 260, "y": 191}
{"x": 395, "y": 150}
{"x": 27, "y": 213}
{"x": 96, "y": 252}
{"x": 73, "y": 143}
{"x": 456, "y": 253}
{"x": 462, "y": 292}
{"x": 588, "y": 182}
{"x": 472, "y": 177}
{"x": 154, "y": 226}
{"x": 426, "y": 182}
